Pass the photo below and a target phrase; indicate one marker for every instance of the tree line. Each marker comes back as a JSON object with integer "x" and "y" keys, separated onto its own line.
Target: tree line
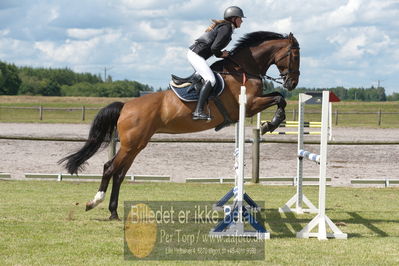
{"x": 63, "y": 82}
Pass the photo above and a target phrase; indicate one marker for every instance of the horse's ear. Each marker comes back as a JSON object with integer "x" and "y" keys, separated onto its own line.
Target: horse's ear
{"x": 290, "y": 36}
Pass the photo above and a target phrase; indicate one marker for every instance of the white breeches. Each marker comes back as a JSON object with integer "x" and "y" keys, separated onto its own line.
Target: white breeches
{"x": 201, "y": 67}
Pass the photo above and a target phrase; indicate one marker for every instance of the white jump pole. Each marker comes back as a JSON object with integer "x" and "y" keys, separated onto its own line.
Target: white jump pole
{"x": 322, "y": 220}
{"x": 299, "y": 198}
{"x": 232, "y": 227}
{"x": 258, "y": 120}
{"x": 330, "y": 121}
{"x": 241, "y": 153}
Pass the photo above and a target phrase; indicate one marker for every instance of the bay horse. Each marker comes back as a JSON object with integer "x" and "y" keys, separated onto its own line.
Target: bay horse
{"x": 139, "y": 119}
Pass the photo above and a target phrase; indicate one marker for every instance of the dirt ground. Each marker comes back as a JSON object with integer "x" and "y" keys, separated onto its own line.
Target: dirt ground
{"x": 192, "y": 160}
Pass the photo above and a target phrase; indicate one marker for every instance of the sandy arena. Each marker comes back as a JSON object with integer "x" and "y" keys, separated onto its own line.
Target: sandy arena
{"x": 183, "y": 160}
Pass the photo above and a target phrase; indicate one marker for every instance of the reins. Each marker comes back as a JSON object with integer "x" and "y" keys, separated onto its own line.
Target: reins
{"x": 258, "y": 76}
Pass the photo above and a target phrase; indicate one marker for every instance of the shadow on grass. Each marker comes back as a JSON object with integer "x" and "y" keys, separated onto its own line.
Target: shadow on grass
{"x": 357, "y": 219}
{"x": 285, "y": 225}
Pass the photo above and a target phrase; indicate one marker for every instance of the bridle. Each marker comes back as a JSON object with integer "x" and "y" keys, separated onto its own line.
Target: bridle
{"x": 287, "y": 71}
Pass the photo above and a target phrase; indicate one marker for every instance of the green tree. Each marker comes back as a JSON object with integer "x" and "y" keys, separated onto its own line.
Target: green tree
{"x": 10, "y": 81}
{"x": 381, "y": 96}
{"x": 341, "y": 92}
{"x": 30, "y": 86}
{"x": 52, "y": 88}
{"x": 393, "y": 97}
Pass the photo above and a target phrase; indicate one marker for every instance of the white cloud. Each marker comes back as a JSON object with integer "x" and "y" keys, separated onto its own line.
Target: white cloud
{"x": 375, "y": 11}
{"x": 192, "y": 30}
{"x": 175, "y": 56}
{"x": 84, "y": 33}
{"x": 337, "y": 17}
{"x": 78, "y": 51}
{"x": 146, "y": 4}
{"x": 133, "y": 4}
{"x": 357, "y": 42}
{"x": 283, "y": 25}
{"x": 4, "y": 32}
{"x": 133, "y": 53}
{"x": 53, "y": 14}
{"x": 156, "y": 33}
{"x": 71, "y": 52}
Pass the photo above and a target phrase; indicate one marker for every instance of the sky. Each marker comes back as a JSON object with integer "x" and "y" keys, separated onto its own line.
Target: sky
{"x": 350, "y": 43}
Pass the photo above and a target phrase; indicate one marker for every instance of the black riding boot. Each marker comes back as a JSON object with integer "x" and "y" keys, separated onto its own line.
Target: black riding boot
{"x": 203, "y": 96}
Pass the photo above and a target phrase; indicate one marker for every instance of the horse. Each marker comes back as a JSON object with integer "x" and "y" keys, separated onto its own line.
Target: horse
{"x": 138, "y": 119}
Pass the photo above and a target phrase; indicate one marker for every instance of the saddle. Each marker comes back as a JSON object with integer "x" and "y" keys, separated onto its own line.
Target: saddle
{"x": 187, "y": 89}
{"x": 193, "y": 78}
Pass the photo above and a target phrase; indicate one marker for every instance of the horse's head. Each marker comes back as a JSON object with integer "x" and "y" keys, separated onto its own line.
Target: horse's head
{"x": 257, "y": 51}
{"x": 287, "y": 62}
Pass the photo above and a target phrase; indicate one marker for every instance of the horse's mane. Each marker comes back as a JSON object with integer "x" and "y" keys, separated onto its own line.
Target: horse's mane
{"x": 250, "y": 40}
{"x": 255, "y": 38}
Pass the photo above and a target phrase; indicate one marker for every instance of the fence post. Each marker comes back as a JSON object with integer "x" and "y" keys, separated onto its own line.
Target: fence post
{"x": 83, "y": 113}
{"x": 255, "y": 155}
{"x": 379, "y": 117}
{"x": 294, "y": 115}
{"x": 336, "y": 116}
{"x": 40, "y": 112}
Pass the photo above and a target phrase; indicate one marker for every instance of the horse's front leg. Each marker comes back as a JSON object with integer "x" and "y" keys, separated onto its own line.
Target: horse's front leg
{"x": 264, "y": 102}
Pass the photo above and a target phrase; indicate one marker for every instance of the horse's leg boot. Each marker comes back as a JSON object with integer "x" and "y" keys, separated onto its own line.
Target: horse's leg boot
{"x": 279, "y": 117}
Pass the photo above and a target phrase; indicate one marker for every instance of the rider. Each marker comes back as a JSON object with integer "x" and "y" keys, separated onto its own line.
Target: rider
{"x": 216, "y": 37}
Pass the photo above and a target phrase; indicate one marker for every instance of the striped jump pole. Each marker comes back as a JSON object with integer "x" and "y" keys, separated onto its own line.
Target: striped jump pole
{"x": 308, "y": 155}
{"x": 292, "y": 133}
{"x": 230, "y": 226}
{"x": 307, "y": 124}
{"x": 296, "y": 123}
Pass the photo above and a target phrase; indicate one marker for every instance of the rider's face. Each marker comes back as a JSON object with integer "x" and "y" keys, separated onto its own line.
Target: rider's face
{"x": 238, "y": 22}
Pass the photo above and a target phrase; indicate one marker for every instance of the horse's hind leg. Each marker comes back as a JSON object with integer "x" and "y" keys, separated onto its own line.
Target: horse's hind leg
{"x": 124, "y": 161}
{"x": 130, "y": 147}
{"x": 99, "y": 197}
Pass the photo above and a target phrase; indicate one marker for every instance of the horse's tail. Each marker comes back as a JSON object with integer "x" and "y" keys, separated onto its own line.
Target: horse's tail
{"x": 101, "y": 130}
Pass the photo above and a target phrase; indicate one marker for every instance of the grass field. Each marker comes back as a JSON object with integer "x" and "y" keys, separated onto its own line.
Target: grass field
{"x": 44, "y": 223}
{"x": 51, "y": 116}
{"x": 75, "y": 116}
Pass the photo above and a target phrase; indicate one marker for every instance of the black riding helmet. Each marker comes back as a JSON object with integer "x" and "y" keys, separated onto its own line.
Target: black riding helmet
{"x": 233, "y": 11}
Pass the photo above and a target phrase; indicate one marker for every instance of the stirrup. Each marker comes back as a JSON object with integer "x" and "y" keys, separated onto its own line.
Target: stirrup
{"x": 201, "y": 116}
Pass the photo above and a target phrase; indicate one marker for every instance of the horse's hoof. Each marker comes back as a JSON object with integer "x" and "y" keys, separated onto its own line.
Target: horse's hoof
{"x": 89, "y": 206}
{"x": 266, "y": 127}
{"x": 114, "y": 217}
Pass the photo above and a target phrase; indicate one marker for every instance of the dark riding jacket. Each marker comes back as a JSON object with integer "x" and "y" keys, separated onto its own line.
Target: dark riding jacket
{"x": 212, "y": 42}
